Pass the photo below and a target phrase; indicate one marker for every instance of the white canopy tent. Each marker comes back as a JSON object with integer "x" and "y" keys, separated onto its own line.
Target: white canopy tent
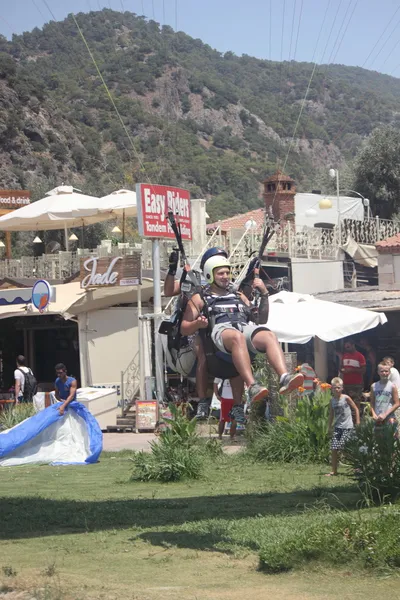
{"x": 120, "y": 203}
{"x": 297, "y": 318}
{"x": 61, "y": 208}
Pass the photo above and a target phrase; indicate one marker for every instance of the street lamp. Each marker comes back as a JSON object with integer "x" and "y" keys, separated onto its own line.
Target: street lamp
{"x": 365, "y": 200}
{"x": 334, "y": 173}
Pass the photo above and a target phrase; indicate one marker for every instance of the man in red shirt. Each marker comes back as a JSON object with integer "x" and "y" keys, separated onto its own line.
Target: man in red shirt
{"x": 352, "y": 369}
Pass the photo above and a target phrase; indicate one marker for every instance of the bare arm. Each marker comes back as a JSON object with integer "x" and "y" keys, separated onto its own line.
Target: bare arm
{"x": 330, "y": 418}
{"x": 193, "y": 320}
{"x": 353, "y": 406}
{"x": 372, "y": 403}
{"x": 17, "y": 389}
{"x": 171, "y": 286}
{"x": 72, "y": 392}
{"x": 395, "y": 405}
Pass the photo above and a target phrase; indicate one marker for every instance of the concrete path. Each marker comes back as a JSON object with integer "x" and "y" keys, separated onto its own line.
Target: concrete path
{"x": 114, "y": 442}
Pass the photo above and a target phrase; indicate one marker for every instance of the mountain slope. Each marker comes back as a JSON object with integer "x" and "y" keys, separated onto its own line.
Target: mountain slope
{"x": 191, "y": 116}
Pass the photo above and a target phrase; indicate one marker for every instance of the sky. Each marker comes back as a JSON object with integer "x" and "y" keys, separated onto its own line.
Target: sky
{"x": 351, "y": 32}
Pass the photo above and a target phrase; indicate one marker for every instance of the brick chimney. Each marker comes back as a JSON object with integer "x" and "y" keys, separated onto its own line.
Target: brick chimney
{"x": 279, "y": 192}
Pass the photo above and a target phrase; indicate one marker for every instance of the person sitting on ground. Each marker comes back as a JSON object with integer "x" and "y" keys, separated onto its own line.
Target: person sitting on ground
{"x": 384, "y": 398}
{"x": 224, "y": 392}
{"x": 232, "y": 331}
{"x": 340, "y": 418}
{"x": 65, "y": 387}
{"x": 25, "y": 382}
{"x": 352, "y": 370}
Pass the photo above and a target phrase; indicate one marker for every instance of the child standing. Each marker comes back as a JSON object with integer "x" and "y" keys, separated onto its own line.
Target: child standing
{"x": 384, "y": 398}
{"x": 341, "y": 418}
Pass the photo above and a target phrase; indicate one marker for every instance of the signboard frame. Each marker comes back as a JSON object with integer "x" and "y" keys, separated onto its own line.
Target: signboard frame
{"x": 153, "y": 204}
{"x": 110, "y": 271}
{"x": 141, "y": 424}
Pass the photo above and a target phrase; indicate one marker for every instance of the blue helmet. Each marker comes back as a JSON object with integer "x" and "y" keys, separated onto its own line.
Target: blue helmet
{"x": 212, "y": 252}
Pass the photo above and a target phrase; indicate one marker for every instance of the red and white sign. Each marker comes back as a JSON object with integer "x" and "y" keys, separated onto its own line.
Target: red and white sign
{"x": 153, "y": 204}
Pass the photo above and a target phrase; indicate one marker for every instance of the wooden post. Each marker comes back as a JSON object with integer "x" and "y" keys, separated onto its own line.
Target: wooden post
{"x": 8, "y": 244}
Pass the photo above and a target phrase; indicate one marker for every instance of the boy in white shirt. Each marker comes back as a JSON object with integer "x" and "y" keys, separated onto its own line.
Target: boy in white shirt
{"x": 223, "y": 391}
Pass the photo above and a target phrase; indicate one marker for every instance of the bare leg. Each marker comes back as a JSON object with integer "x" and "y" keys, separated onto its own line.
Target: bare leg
{"x": 232, "y": 431}
{"x": 201, "y": 369}
{"x": 221, "y": 427}
{"x": 266, "y": 341}
{"x": 335, "y": 461}
{"x": 235, "y": 343}
{"x": 237, "y": 386}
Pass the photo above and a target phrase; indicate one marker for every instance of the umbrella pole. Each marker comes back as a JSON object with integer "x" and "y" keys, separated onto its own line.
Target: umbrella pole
{"x": 123, "y": 226}
{"x": 66, "y": 237}
{"x": 82, "y": 236}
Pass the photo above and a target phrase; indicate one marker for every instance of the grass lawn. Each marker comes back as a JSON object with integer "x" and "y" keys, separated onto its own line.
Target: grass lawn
{"x": 88, "y": 532}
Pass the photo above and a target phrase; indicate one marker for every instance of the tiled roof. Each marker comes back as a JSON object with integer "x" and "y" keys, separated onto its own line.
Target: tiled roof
{"x": 239, "y": 221}
{"x": 278, "y": 176}
{"x": 390, "y": 245}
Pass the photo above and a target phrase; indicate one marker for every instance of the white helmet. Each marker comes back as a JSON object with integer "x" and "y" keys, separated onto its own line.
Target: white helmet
{"x": 214, "y": 262}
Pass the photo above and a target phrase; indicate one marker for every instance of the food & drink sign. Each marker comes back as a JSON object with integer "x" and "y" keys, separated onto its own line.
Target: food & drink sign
{"x": 153, "y": 204}
{"x": 110, "y": 271}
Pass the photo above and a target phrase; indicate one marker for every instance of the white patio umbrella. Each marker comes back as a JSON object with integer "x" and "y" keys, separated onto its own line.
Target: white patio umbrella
{"x": 120, "y": 203}
{"x": 296, "y": 318}
{"x": 62, "y": 208}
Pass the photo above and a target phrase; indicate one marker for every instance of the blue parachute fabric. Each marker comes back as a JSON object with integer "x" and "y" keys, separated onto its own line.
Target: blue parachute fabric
{"x": 18, "y": 436}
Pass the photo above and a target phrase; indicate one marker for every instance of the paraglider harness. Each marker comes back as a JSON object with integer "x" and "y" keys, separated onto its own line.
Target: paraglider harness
{"x": 220, "y": 364}
{"x": 190, "y": 284}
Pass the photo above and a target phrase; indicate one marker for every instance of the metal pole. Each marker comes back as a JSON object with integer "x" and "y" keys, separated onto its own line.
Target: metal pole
{"x": 66, "y": 237}
{"x": 123, "y": 226}
{"x": 141, "y": 344}
{"x": 338, "y": 209}
{"x": 159, "y": 359}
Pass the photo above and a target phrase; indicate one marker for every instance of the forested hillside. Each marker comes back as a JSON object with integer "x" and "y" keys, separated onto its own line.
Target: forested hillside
{"x": 191, "y": 116}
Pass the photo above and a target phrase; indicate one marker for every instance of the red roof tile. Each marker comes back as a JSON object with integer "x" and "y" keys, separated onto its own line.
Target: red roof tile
{"x": 239, "y": 221}
{"x": 390, "y": 245}
{"x": 278, "y": 176}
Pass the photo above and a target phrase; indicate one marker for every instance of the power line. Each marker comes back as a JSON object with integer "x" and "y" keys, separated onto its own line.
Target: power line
{"x": 304, "y": 99}
{"x": 38, "y": 9}
{"x": 292, "y": 29}
{"x": 270, "y": 29}
{"x": 176, "y": 15}
{"x": 345, "y": 31}
{"x": 385, "y": 42}
{"x": 163, "y": 11}
{"x": 381, "y": 36}
{"x": 298, "y": 30}
{"x": 152, "y": 5}
{"x": 128, "y": 135}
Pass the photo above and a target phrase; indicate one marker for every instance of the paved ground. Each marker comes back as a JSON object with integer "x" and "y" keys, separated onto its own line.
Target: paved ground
{"x": 113, "y": 442}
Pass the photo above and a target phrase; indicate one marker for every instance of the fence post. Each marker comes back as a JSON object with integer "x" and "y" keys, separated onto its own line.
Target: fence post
{"x": 378, "y": 235}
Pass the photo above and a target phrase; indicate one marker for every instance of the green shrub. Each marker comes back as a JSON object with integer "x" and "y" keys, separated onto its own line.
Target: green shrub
{"x": 302, "y": 437}
{"x": 14, "y": 414}
{"x": 168, "y": 462}
{"x": 374, "y": 461}
{"x": 363, "y": 540}
{"x": 176, "y": 455}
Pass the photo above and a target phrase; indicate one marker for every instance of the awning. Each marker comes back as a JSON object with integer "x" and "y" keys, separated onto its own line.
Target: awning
{"x": 297, "y": 318}
{"x": 104, "y": 297}
{"x": 363, "y": 254}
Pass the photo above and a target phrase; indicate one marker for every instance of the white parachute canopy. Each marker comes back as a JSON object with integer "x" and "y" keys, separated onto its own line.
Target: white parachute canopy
{"x": 49, "y": 438}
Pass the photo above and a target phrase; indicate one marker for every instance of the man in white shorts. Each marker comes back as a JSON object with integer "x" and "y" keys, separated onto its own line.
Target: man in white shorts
{"x": 228, "y": 314}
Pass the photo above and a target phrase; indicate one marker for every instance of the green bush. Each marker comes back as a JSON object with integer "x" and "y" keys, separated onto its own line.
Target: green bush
{"x": 176, "y": 455}
{"x": 373, "y": 457}
{"x": 14, "y": 414}
{"x": 168, "y": 462}
{"x": 302, "y": 437}
{"x": 363, "y": 540}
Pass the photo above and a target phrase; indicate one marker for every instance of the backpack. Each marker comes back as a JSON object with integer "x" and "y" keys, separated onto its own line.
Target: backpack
{"x": 30, "y": 385}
